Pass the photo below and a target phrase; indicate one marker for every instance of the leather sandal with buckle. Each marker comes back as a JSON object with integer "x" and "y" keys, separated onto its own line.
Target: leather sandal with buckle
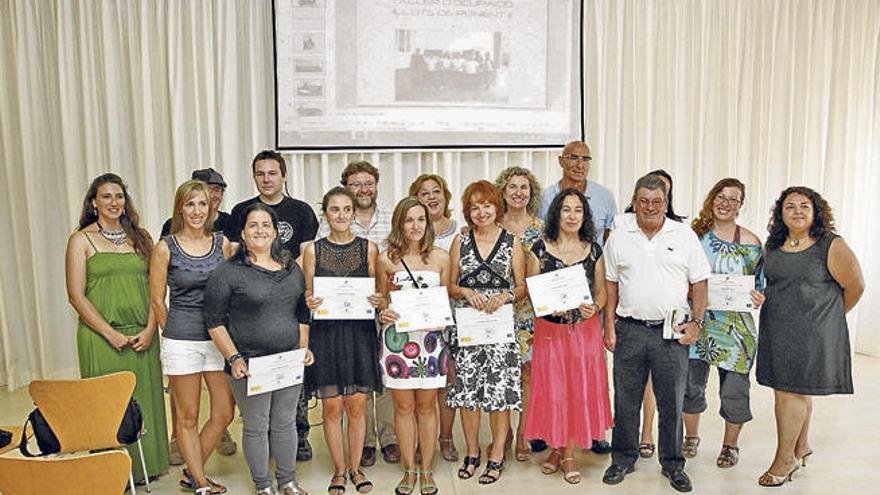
{"x": 335, "y": 487}
{"x": 728, "y": 457}
{"x": 689, "y": 449}
{"x": 426, "y": 483}
{"x": 464, "y": 472}
{"x": 492, "y": 472}
{"x": 522, "y": 451}
{"x": 408, "y": 483}
{"x": 646, "y": 450}
{"x": 447, "y": 450}
{"x": 360, "y": 481}
{"x": 552, "y": 463}
{"x": 570, "y": 471}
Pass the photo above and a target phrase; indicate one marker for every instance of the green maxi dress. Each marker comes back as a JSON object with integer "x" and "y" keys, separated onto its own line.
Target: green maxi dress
{"x": 116, "y": 284}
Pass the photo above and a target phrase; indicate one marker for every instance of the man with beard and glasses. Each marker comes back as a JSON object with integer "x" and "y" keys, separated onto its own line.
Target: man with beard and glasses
{"x": 371, "y": 222}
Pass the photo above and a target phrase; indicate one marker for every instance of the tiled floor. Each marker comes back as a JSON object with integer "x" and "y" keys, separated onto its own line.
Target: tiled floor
{"x": 845, "y": 436}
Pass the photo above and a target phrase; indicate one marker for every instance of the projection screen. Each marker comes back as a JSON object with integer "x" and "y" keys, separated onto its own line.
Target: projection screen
{"x": 427, "y": 73}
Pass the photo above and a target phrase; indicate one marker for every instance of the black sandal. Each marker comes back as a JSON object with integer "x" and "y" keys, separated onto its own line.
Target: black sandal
{"x": 336, "y": 488}
{"x": 463, "y": 472}
{"x": 365, "y": 485}
{"x": 487, "y": 478}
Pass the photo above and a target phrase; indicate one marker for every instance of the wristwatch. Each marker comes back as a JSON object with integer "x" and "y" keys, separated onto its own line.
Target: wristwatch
{"x": 233, "y": 358}
{"x": 699, "y": 323}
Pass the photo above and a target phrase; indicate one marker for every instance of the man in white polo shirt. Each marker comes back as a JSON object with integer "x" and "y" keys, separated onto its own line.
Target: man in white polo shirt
{"x": 650, "y": 265}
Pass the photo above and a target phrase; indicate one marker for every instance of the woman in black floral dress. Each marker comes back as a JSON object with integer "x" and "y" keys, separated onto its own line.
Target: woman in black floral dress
{"x": 487, "y": 271}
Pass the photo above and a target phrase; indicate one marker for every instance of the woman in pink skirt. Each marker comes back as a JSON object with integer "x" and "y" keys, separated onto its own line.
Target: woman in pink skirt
{"x": 569, "y": 406}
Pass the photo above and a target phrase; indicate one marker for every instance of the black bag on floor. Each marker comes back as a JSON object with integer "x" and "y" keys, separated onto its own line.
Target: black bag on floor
{"x": 129, "y": 429}
{"x": 5, "y": 438}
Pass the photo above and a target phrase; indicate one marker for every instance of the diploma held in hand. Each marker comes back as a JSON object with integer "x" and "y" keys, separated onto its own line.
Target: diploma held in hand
{"x": 345, "y": 298}
{"x": 275, "y": 371}
{"x": 478, "y": 328}
{"x": 559, "y": 290}
{"x": 731, "y": 293}
{"x": 421, "y": 309}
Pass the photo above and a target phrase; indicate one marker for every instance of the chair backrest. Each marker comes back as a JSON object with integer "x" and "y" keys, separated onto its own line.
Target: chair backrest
{"x": 84, "y": 414}
{"x": 105, "y": 473}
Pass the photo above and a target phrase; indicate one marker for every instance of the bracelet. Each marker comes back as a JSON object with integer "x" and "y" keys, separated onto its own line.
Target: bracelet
{"x": 233, "y": 358}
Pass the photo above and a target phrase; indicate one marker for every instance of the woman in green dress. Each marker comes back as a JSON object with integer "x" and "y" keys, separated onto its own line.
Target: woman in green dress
{"x": 106, "y": 272}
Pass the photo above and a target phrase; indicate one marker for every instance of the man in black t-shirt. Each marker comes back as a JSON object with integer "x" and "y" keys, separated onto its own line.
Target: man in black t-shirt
{"x": 296, "y": 224}
{"x": 296, "y": 219}
{"x": 223, "y": 222}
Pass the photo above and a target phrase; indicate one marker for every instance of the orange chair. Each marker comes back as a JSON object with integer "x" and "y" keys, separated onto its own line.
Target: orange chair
{"x": 85, "y": 414}
{"x": 104, "y": 473}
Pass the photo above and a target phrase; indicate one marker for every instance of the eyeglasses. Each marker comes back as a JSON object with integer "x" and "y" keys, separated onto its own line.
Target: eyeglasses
{"x": 656, "y": 203}
{"x": 720, "y": 199}
{"x": 578, "y": 158}
{"x": 361, "y": 185}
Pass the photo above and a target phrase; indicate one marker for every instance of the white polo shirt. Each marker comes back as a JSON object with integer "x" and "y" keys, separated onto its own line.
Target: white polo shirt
{"x": 653, "y": 274}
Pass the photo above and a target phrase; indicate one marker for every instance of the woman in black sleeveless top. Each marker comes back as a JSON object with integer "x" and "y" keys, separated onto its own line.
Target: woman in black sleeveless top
{"x": 346, "y": 352}
{"x": 813, "y": 279}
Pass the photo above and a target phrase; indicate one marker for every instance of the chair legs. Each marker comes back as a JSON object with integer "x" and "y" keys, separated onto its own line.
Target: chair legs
{"x": 144, "y": 466}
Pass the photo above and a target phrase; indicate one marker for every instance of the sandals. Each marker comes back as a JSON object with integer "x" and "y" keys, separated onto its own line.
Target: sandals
{"x": 362, "y": 486}
{"x": 770, "y": 479}
{"x": 335, "y": 488}
{"x": 570, "y": 472}
{"x": 463, "y": 472}
{"x": 447, "y": 450}
{"x": 728, "y": 457}
{"x": 291, "y": 488}
{"x": 487, "y": 478}
{"x": 189, "y": 483}
{"x": 554, "y": 460}
{"x": 689, "y": 449}
{"x": 522, "y": 453}
{"x": 803, "y": 460}
{"x": 646, "y": 450}
{"x": 426, "y": 483}
{"x": 406, "y": 487}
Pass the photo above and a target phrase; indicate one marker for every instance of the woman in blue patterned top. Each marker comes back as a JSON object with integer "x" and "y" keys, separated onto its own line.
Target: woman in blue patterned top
{"x": 728, "y": 340}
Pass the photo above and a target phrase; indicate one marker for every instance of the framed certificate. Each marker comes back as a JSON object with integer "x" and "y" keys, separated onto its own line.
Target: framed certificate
{"x": 479, "y": 328}
{"x": 421, "y": 309}
{"x": 345, "y": 298}
{"x": 731, "y": 293}
{"x": 276, "y": 371}
{"x": 559, "y": 290}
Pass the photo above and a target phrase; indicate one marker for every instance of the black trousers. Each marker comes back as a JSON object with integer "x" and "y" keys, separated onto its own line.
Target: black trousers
{"x": 641, "y": 349}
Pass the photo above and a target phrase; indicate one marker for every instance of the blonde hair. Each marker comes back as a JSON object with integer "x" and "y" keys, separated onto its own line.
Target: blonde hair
{"x": 534, "y": 187}
{"x": 184, "y": 192}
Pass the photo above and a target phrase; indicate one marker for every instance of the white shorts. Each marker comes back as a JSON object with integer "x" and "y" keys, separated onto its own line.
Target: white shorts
{"x": 187, "y": 357}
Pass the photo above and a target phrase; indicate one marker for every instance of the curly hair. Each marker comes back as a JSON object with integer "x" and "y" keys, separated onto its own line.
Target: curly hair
{"x": 130, "y": 220}
{"x": 587, "y": 232}
{"x": 534, "y": 187}
{"x": 823, "y": 219}
{"x": 358, "y": 167}
{"x": 706, "y": 219}
{"x": 397, "y": 242}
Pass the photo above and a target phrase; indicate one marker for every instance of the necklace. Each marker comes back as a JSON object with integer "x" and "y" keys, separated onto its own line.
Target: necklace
{"x": 117, "y": 237}
{"x": 795, "y": 242}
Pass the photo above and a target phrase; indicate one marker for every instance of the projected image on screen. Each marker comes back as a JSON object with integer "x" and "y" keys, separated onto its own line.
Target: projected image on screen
{"x": 427, "y": 73}
{"x": 451, "y": 67}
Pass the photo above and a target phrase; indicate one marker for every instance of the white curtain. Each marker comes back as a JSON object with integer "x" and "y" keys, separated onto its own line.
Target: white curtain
{"x": 774, "y": 92}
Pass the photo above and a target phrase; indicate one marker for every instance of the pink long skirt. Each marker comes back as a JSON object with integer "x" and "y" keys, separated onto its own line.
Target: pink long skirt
{"x": 569, "y": 399}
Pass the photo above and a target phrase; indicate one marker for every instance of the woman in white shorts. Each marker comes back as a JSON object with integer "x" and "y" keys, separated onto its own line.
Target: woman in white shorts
{"x": 183, "y": 260}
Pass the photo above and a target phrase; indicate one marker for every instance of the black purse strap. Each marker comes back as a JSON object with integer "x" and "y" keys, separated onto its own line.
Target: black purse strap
{"x": 411, "y": 276}
{"x": 23, "y": 444}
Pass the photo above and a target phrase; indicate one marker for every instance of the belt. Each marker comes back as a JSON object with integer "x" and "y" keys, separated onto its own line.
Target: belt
{"x": 644, "y": 323}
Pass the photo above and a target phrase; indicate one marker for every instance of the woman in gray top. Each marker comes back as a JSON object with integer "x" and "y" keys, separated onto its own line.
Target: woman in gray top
{"x": 813, "y": 279}
{"x": 254, "y": 307}
{"x": 183, "y": 261}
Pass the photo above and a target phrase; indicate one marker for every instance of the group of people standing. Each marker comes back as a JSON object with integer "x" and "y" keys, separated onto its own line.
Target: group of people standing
{"x": 242, "y": 286}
